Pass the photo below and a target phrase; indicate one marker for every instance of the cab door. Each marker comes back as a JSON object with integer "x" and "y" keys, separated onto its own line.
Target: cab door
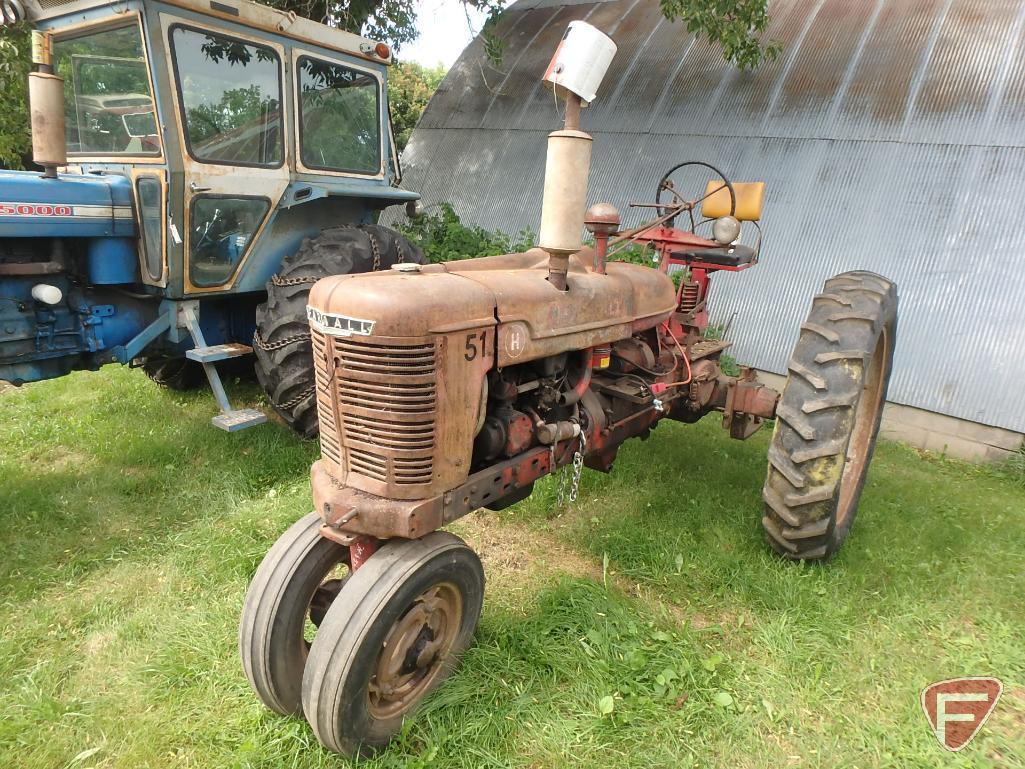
{"x": 230, "y": 100}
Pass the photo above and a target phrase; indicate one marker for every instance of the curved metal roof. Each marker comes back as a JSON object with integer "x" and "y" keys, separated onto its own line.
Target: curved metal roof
{"x": 891, "y": 135}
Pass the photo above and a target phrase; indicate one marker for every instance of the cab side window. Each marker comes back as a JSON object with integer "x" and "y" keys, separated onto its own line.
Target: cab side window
{"x": 151, "y": 218}
{"x": 339, "y": 117}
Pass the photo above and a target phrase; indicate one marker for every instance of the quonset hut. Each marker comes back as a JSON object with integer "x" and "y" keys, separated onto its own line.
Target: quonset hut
{"x": 891, "y": 136}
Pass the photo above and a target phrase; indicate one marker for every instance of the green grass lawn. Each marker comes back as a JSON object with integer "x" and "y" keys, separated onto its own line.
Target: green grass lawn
{"x": 130, "y": 528}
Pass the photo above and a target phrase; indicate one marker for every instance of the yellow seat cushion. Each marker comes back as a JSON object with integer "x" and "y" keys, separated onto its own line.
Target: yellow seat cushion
{"x": 750, "y": 196}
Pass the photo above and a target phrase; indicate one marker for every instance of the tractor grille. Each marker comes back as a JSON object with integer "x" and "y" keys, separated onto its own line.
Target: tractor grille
{"x": 330, "y": 444}
{"x": 386, "y": 399}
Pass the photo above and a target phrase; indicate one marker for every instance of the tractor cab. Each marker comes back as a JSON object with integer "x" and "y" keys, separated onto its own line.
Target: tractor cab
{"x": 224, "y": 116}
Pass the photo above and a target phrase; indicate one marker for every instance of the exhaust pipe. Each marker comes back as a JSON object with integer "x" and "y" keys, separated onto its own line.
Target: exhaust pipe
{"x": 575, "y": 72}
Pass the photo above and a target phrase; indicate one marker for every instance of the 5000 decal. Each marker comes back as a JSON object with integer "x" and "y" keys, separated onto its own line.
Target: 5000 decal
{"x": 60, "y": 209}
{"x": 34, "y": 209}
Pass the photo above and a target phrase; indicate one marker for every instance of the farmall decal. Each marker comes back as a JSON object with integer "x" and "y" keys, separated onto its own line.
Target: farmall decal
{"x": 338, "y": 325}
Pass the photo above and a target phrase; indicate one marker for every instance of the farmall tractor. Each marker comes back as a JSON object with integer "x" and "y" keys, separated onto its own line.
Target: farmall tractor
{"x": 450, "y": 387}
{"x": 216, "y": 158}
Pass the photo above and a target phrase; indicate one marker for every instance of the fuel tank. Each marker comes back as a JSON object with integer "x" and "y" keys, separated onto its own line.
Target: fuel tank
{"x": 534, "y": 318}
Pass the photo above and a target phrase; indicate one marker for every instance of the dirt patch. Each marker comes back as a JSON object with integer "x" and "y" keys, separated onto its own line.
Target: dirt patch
{"x": 1008, "y": 718}
{"x": 519, "y": 560}
{"x": 96, "y": 643}
{"x": 62, "y": 460}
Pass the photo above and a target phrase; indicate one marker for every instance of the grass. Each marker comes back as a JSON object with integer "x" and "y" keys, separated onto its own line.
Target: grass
{"x": 645, "y": 626}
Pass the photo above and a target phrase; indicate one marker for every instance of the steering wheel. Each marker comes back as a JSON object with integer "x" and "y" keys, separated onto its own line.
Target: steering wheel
{"x": 665, "y": 184}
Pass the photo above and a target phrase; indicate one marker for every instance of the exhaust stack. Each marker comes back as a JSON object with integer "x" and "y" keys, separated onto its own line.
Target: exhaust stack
{"x": 574, "y": 74}
{"x": 46, "y": 109}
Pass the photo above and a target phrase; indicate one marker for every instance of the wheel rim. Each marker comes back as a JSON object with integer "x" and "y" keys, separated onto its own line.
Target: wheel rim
{"x": 865, "y": 419}
{"x": 323, "y": 596}
{"x": 415, "y": 649}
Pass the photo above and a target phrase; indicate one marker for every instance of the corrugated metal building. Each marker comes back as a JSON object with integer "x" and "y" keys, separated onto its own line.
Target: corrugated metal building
{"x": 891, "y": 135}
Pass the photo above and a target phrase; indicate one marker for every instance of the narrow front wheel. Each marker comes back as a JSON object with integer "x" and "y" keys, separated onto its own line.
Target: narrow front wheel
{"x": 286, "y": 602}
{"x": 395, "y": 632}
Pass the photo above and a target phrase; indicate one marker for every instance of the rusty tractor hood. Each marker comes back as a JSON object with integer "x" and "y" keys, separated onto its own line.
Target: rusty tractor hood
{"x": 534, "y": 318}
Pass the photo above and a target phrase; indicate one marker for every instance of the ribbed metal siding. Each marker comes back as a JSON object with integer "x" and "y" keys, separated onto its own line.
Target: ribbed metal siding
{"x": 891, "y": 134}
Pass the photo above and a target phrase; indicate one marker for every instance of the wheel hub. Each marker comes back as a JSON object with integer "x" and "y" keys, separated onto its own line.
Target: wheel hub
{"x": 414, "y": 650}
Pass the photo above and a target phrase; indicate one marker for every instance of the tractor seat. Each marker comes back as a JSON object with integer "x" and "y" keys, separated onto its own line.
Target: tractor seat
{"x": 733, "y": 256}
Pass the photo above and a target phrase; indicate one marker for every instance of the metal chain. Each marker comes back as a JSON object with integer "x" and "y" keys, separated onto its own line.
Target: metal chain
{"x": 269, "y": 346}
{"x": 375, "y": 249}
{"x": 277, "y": 280}
{"x": 298, "y": 398}
{"x": 578, "y": 466}
{"x": 572, "y": 479}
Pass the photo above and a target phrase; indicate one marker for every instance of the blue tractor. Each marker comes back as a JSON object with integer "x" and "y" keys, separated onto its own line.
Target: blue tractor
{"x": 204, "y": 163}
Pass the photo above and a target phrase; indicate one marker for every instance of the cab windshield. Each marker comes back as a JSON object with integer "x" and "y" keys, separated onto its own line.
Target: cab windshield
{"x": 107, "y": 97}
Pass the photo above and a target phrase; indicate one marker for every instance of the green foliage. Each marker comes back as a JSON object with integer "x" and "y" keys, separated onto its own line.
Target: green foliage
{"x": 390, "y": 20}
{"x": 444, "y": 238}
{"x": 410, "y": 87}
{"x": 1013, "y": 468}
{"x": 15, "y": 137}
{"x": 632, "y": 253}
{"x": 727, "y": 362}
{"x": 735, "y": 25}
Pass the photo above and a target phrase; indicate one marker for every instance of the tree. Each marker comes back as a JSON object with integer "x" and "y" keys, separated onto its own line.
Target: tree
{"x": 15, "y": 138}
{"x": 410, "y": 87}
{"x": 737, "y": 26}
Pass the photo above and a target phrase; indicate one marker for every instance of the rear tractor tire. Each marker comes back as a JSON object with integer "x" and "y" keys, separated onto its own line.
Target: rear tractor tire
{"x": 284, "y": 353}
{"x": 828, "y": 416}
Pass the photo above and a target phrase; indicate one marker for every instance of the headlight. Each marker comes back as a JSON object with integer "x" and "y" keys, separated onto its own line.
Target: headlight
{"x": 725, "y": 230}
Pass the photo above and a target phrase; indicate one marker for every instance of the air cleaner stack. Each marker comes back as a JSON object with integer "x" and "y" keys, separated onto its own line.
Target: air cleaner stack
{"x": 574, "y": 74}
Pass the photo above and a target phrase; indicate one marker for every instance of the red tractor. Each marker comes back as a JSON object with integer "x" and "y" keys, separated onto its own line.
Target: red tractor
{"x": 450, "y": 387}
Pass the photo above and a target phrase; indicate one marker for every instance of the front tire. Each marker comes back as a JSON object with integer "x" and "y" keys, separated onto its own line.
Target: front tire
{"x": 394, "y": 633}
{"x": 290, "y": 586}
{"x": 284, "y": 353}
{"x": 828, "y": 416}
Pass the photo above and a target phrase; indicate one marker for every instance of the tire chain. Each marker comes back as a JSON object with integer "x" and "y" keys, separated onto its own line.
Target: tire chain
{"x": 375, "y": 249}
{"x": 298, "y": 398}
{"x": 271, "y": 346}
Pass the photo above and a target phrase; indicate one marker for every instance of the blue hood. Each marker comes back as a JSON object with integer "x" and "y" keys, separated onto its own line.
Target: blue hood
{"x": 72, "y": 205}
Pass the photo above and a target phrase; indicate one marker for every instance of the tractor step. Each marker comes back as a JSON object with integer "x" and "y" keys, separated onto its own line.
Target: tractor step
{"x": 218, "y": 352}
{"x": 230, "y": 420}
{"x": 238, "y": 419}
